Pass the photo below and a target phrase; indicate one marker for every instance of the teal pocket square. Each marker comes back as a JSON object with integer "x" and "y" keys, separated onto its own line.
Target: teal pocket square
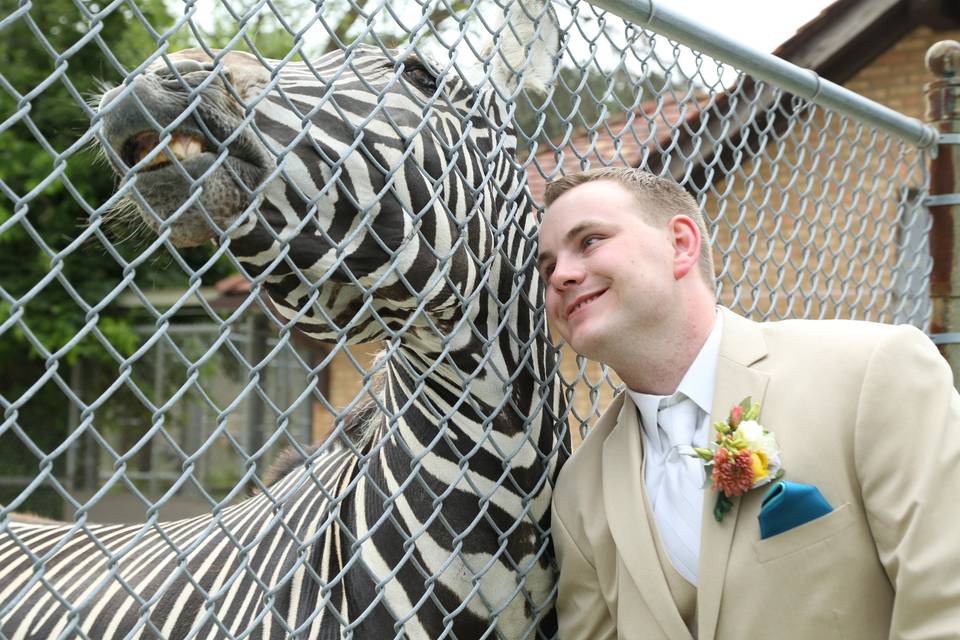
{"x": 788, "y": 505}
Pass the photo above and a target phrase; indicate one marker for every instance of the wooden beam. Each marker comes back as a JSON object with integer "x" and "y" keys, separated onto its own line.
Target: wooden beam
{"x": 847, "y": 36}
{"x": 939, "y": 15}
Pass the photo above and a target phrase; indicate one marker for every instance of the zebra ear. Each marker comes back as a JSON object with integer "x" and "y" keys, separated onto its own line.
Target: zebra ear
{"x": 525, "y": 47}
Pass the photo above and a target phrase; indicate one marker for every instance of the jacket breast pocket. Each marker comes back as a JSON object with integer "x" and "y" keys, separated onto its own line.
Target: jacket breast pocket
{"x": 806, "y": 535}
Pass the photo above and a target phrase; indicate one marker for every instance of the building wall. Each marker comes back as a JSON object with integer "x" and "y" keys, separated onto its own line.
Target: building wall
{"x": 827, "y": 204}
{"x": 896, "y": 77}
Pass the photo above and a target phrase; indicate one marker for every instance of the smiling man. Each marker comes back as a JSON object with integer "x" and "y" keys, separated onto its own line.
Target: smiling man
{"x": 862, "y": 418}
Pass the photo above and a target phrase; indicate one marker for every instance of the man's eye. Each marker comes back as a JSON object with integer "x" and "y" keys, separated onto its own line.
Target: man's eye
{"x": 589, "y": 240}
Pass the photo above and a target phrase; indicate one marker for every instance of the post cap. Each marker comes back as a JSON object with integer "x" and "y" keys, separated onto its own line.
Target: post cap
{"x": 943, "y": 60}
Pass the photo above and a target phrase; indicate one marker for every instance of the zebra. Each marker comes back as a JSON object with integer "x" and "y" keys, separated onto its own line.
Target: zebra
{"x": 370, "y": 197}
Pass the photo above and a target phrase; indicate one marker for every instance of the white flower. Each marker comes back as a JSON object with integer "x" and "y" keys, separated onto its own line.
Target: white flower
{"x": 767, "y": 479}
{"x": 774, "y": 465}
{"x": 751, "y": 431}
{"x": 762, "y": 441}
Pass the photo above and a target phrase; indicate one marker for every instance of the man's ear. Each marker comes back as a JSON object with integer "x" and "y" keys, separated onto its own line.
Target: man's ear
{"x": 685, "y": 237}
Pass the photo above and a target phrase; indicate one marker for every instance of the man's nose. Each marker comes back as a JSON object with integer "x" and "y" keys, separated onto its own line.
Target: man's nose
{"x": 566, "y": 273}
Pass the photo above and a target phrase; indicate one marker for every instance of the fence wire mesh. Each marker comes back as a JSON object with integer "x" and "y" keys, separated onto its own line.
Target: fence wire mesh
{"x": 276, "y": 312}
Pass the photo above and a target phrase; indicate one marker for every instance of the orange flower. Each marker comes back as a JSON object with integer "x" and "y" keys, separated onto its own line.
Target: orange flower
{"x": 743, "y": 455}
{"x": 733, "y": 473}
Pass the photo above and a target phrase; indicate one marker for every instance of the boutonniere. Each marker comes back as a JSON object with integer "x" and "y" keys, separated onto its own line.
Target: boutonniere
{"x": 744, "y": 456}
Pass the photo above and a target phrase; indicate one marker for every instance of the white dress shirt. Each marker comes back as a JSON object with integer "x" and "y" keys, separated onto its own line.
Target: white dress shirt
{"x": 697, "y": 387}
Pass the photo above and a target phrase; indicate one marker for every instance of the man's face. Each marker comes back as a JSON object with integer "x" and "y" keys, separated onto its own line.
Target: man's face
{"x": 608, "y": 273}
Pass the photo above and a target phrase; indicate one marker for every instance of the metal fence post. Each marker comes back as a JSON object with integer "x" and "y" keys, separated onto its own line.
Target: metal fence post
{"x": 943, "y": 112}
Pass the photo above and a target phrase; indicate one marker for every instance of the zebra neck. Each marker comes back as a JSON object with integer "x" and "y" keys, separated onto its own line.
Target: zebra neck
{"x": 472, "y": 392}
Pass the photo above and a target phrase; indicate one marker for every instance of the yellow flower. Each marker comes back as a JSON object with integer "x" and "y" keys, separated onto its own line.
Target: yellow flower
{"x": 761, "y": 465}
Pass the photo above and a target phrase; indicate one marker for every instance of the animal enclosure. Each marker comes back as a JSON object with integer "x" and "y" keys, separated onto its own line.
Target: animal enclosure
{"x": 271, "y": 330}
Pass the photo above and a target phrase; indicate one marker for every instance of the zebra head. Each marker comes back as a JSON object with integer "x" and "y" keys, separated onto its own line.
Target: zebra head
{"x": 367, "y": 183}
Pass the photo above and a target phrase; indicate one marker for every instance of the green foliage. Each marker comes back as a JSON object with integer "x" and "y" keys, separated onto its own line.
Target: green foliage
{"x": 39, "y": 158}
{"x": 52, "y": 186}
{"x": 281, "y": 26}
{"x": 583, "y": 99}
{"x": 263, "y": 31}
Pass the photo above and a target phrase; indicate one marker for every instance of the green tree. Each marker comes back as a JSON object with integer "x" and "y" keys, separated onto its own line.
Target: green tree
{"x": 275, "y": 29}
{"x": 271, "y": 29}
{"x": 582, "y": 99}
{"x": 53, "y": 57}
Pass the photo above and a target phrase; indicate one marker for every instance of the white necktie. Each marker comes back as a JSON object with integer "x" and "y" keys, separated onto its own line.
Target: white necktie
{"x": 678, "y": 504}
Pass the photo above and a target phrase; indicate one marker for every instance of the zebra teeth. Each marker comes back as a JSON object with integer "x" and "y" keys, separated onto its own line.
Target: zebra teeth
{"x": 185, "y": 146}
{"x": 139, "y": 146}
{"x": 182, "y": 146}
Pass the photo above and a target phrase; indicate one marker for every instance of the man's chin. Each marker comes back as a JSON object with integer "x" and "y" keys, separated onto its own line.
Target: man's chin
{"x": 586, "y": 343}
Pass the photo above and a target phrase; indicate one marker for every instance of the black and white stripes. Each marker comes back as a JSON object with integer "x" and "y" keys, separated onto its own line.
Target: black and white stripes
{"x": 387, "y": 205}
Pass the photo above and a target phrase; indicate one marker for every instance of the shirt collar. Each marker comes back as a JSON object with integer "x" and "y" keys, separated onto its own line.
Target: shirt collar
{"x": 697, "y": 383}
{"x": 699, "y": 380}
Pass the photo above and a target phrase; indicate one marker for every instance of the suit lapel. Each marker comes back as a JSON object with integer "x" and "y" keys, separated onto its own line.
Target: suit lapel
{"x": 632, "y": 531}
{"x": 741, "y": 346}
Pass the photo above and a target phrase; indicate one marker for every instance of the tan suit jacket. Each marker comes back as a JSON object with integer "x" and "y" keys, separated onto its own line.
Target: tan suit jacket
{"x": 865, "y": 412}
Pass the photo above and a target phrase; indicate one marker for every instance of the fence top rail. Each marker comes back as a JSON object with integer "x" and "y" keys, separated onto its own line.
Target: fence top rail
{"x": 799, "y": 81}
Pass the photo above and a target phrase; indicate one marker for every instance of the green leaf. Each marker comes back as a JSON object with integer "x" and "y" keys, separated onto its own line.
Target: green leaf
{"x": 722, "y": 507}
{"x": 737, "y": 441}
{"x": 706, "y": 454}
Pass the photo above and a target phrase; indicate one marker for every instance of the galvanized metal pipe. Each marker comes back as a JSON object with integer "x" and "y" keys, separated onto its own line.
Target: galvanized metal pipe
{"x": 769, "y": 68}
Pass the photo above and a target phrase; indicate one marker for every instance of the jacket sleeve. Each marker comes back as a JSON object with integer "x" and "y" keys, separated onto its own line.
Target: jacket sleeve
{"x": 582, "y": 611}
{"x": 907, "y": 448}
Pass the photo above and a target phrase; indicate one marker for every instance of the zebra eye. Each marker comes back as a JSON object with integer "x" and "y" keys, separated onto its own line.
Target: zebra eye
{"x": 418, "y": 74}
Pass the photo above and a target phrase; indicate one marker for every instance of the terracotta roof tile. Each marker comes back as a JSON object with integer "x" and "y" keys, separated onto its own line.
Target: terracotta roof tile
{"x": 623, "y": 140}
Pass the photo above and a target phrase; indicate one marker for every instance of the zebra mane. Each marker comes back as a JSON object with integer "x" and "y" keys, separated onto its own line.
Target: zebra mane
{"x": 357, "y": 424}
{"x": 289, "y": 460}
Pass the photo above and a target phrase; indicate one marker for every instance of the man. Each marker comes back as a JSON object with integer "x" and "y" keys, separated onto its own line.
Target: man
{"x": 864, "y": 412}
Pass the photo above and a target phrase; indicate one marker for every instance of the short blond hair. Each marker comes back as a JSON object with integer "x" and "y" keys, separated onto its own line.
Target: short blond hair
{"x": 659, "y": 198}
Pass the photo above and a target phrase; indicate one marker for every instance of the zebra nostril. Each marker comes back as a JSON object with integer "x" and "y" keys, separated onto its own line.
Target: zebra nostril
{"x": 188, "y": 66}
{"x": 211, "y": 67}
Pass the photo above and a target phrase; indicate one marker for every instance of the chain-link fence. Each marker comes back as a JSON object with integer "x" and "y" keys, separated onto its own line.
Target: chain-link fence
{"x": 324, "y": 246}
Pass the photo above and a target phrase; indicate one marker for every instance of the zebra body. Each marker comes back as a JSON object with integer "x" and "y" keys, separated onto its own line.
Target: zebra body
{"x": 369, "y": 198}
